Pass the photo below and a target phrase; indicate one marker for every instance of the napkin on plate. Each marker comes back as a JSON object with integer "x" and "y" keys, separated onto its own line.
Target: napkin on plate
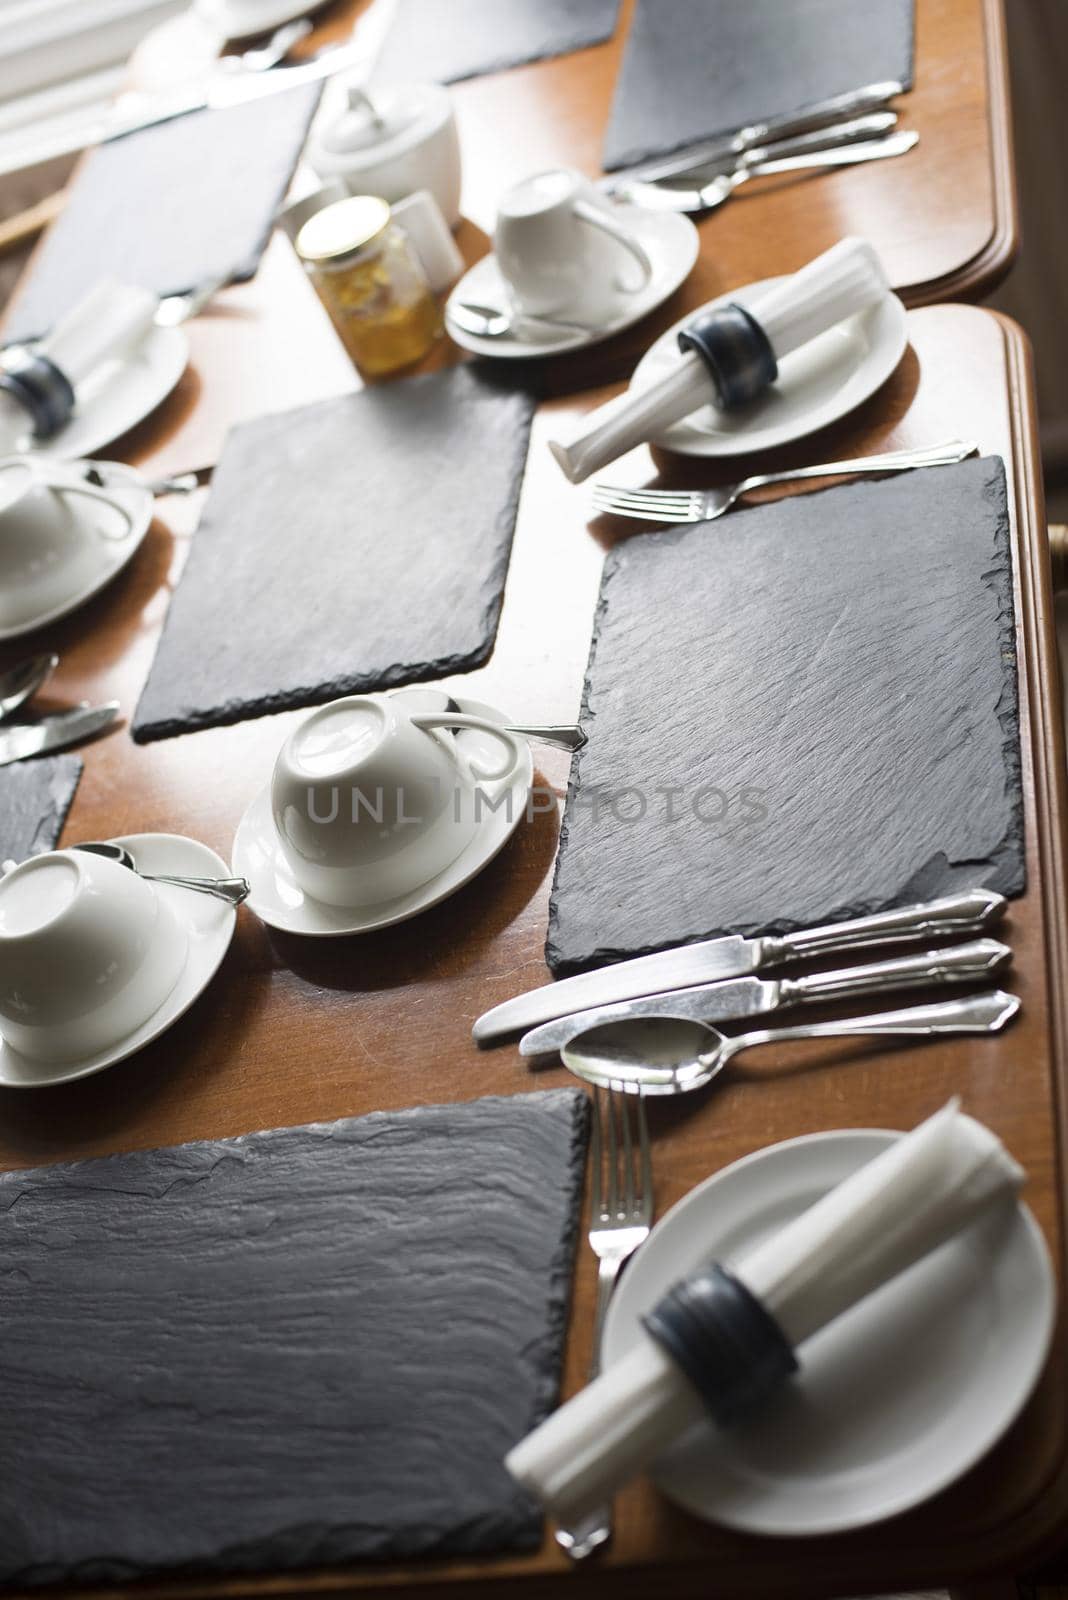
{"x": 844, "y": 280}
{"x": 893, "y": 1211}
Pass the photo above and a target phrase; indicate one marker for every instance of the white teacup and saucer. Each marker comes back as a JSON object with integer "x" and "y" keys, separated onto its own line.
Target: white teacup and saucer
{"x": 63, "y": 537}
{"x": 96, "y": 962}
{"x": 379, "y": 809}
{"x": 563, "y": 250}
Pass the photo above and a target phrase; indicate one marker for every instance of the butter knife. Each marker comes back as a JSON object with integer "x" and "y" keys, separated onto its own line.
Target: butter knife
{"x": 57, "y": 732}
{"x": 735, "y": 957}
{"x": 747, "y": 997}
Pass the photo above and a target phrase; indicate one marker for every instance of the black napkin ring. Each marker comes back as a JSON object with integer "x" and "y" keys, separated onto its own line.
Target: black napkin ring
{"x": 736, "y": 351}
{"x": 41, "y": 388}
{"x": 731, "y": 1348}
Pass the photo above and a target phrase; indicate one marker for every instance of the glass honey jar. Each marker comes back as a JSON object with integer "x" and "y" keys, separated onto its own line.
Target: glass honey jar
{"x": 372, "y": 284}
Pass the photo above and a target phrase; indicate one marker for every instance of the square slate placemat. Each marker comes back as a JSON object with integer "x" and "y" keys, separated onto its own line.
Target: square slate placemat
{"x": 309, "y": 1346}
{"x": 805, "y": 712}
{"x": 35, "y": 797}
{"x": 443, "y": 41}
{"x": 169, "y": 207}
{"x": 692, "y": 70}
{"x": 349, "y": 545}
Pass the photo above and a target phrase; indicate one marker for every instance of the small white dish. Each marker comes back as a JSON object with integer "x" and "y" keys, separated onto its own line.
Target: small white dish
{"x": 208, "y": 924}
{"x": 244, "y": 19}
{"x": 117, "y": 397}
{"x": 278, "y": 900}
{"x": 669, "y": 240}
{"x": 817, "y": 384}
{"x": 860, "y": 1434}
{"x": 112, "y": 537}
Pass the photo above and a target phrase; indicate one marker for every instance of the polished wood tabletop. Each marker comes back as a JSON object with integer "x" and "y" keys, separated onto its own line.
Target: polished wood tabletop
{"x": 294, "y": 1031}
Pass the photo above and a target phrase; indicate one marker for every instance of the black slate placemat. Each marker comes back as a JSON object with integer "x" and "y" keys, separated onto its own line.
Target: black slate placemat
{"x": 169, "y": 207}
{"x": 805, "y": 712}
{"x": 307, "y": 1346}
{"x": 693, "y": 69}
{"x": 349, "y": 545}
{"x": 35, "y": 797}
{"x": 443, "y": 41}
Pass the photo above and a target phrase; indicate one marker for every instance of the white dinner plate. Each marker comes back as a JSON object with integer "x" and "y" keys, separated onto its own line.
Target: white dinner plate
{"x": 671, "y": 243}
{"x": 816, "y": 385}
{"x": 115, "y": 539}
{"x": 894, "y": 1400}
{"x": 209, "y": 924}
{"x": 278, "y": 899}
{"x": 118, "y": 396}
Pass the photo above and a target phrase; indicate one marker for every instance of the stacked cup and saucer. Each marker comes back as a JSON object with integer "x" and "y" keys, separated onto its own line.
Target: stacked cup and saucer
{"x": 379, "y": 808}
{"x": 569, "y": 268}
{"x": 62, "y": 536}
{"x": 97, "y": 960}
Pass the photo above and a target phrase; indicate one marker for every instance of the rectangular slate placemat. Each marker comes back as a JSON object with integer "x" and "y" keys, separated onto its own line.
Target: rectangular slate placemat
{"x": 307, "y": 1346}
{"x": 443, "y": 41}
{"x": 169, "y": 207}
{"x": 692, "y": 69}
{"x": 805, "y": 712}
{"x": 349, "y": 545}
{"x": 35, "y": 797}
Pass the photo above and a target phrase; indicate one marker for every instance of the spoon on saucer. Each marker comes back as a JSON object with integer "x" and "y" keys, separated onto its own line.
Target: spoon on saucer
{"x": 232, "y": 890}
{"x": 22, "y": 682}
{"x": 494, "y": 322}
{"x": 668, "y": 1055}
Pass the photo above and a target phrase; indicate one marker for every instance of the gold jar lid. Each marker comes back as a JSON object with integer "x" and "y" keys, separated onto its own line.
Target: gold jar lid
{"x": 343, "y": 229}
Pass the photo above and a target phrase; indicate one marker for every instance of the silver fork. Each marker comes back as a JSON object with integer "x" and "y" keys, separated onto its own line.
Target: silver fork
{"x": 621, "y": 1214}
{"x": 705, "y": 505}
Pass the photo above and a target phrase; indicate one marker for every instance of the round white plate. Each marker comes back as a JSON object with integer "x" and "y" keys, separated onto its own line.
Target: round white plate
{"x": 279, "y": 900}
{"x": 117, "y": 397}
{"x": 671, "y": 243}
{"x": 817, "y": 384}
{"x": 129, "y": 490}
{"x": 895, "y": 1399}
{"x": 236, "y": 21}
{"x": 209, "y": 924}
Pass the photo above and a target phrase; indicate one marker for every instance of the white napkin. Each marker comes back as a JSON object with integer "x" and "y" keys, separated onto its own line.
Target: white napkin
{"x": 896, "y": 1209}
{"x": 838, "y": 284}
{"x": 109, "y": 322}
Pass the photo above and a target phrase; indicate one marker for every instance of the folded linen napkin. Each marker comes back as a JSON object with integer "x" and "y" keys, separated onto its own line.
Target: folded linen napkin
{"x": 731, "y": 354}
{"x": 893, "y": 1211}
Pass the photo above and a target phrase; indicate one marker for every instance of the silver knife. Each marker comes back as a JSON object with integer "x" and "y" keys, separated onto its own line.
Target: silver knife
{"x": 735, "y": 957}
{"x": 56, "y": 732}
{"x": 747, "y": 997}
{"x": 819, "y": 115}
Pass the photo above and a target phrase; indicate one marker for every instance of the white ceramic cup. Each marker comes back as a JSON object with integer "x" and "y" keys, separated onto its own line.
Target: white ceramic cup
{"x": 49, "y": 550}
{"x": 88, "y": 951}
{"x": 371, "y": 800}
{"x": 561, "y": 248}
{"x": 403, "y": 140}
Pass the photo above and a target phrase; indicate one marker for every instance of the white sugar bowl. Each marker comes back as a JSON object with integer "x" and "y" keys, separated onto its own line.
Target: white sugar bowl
{"x": 403, "y": 140}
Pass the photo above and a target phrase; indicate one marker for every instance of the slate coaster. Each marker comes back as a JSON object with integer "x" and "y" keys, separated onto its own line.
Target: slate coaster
{"x": 349, "y": 545}
{"x": 692, "y": 69}
{"x": 442, "y": 41}
{"x": 169, "y": 207}
{"x": 827, "y": 685}
{"x": 35, "y": 797}
{"x": 291, "y": 1348}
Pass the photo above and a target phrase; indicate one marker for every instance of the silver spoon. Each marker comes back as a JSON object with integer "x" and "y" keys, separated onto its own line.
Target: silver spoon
{"x": 262, "y": 57}
{"x": 667, "y": 1055}
{"x": 493, "y": 322}
{"x": 22, "y": 682}
{"x": 562, "y": 737}
{"x": 232, "y": 890}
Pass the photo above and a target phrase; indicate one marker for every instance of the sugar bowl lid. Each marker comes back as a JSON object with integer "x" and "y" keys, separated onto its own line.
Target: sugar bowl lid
{"x": 363, "y": 125}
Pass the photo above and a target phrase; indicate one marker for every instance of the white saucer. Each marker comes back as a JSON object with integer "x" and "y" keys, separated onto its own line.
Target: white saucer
{"x": 130, "y": 491}
{"x": 817, "y": 384}
{"x": 117, "y": 397}
{"x": 209, "y": 924}
{"x": 671, "y": 243}
{"x": 279, "y": 900}
{"x": 233, "y": 21}
{"x": 894, "y": 1400}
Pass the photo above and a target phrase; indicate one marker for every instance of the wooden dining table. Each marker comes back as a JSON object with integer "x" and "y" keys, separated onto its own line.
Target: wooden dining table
{"x": 294, "y": 1031}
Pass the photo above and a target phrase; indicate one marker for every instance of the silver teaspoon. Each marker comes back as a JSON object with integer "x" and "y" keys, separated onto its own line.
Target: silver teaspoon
{"x": 667, "y": 1055}
{"x": 232, "y": 890}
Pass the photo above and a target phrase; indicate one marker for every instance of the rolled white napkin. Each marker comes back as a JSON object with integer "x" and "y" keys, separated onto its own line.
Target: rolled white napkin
{"x": 889, "y": 1214}
{"x": 844, "y": 280}
{"x": 110, "y": 321}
